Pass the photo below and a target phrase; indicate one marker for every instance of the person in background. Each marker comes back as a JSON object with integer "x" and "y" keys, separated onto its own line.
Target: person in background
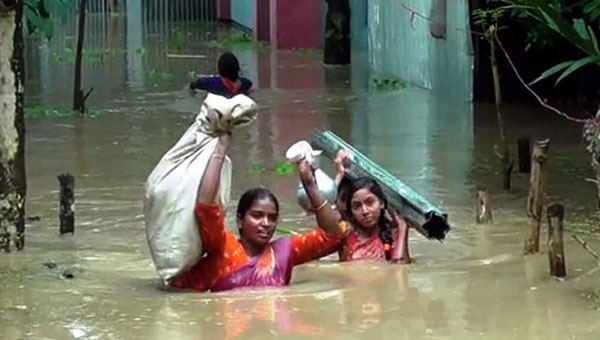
{"x": 228, "y": 83}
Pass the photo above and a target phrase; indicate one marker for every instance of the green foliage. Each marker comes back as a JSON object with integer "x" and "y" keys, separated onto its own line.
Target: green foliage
{"x": 91, "y": 56}
{"x": 592, "y": 10}
{"x": 279, "y": 168}
{"x": 37, "y": 112}
{"x": 257, "y": 169}
{"x": 385, "y": 84}
{"x": 553, "y": 16}
{"x": 285, "y": 169}
{"x": 192, "y": 75}
{"x": 40, "y": 13}
{"x": 239, "y": 40}
{"x": 41, "y": 112}
{"x": 177, "y": 41}
{"x": 155, "y": 76}
{"x": 488, "y": 19}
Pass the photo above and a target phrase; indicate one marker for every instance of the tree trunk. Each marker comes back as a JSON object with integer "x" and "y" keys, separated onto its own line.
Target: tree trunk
{"x": 12, "y": 126}
{"x": 505, "y": 161}
{"x": 78, "y": 97}
{"x": 18, "y": 170}
{"x": 337, "y": 33}
{"x": 591, "y": 136}
{"x": 537, "y": 193}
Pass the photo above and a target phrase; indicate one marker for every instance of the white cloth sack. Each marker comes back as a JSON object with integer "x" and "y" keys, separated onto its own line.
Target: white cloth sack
{"x": 171, "y": 188}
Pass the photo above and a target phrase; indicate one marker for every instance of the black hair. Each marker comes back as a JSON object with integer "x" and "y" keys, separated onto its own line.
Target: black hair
{"x": 385, "y": 227}
{"x": 343, "y": 188}
{"x": 229, "y": 66}
{"x": 251, "y": 196}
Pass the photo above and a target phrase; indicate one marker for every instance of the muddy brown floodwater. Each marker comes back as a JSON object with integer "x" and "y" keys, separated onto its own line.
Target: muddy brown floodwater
{"x": 475, "y": 285}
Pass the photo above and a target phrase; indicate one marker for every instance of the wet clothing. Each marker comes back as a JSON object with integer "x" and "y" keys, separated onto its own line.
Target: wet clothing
{"x": 222, "y": 86}
{"x": 373, "y": 248}
{"x": 226, "y": 264}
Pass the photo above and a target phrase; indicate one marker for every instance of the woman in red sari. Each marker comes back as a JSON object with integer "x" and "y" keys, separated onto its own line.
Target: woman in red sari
{"x": 254, "y": 260}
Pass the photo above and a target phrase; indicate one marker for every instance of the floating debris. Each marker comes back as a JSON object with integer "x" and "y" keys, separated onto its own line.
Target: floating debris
{"x": 50, "y": 265}
{"x": 67, "y": 274}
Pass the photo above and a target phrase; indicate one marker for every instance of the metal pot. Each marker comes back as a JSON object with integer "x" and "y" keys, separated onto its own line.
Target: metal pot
{"x": 325, "y": 184}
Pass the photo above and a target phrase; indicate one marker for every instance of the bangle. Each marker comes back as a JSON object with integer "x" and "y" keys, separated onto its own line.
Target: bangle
{"x": 321, "y": 206}
{"x": 217, "y": 156}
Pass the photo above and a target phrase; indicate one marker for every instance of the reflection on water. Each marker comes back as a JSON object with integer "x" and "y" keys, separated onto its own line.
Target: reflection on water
{"x": 476, "y": 285}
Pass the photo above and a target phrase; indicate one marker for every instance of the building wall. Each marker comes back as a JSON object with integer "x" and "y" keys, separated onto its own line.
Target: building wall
{"x": 298, "y": 24}
{"x": 399, "y": 42}
{"x": 224, "y": 9}
{"x": 286, "y": 24}
{"x": 243, "y": 12}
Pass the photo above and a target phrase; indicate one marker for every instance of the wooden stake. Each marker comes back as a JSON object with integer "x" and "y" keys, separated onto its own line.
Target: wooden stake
{"x": 524, "y": 147}
{"x": 537, "y": 192}
{"x": 483, "y": 206}
{"x": 67, "y": 200}
{"x": 556, "y": 254}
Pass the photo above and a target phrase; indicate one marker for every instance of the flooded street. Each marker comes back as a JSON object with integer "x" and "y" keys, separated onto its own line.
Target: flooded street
{"x": 475, "y": 285}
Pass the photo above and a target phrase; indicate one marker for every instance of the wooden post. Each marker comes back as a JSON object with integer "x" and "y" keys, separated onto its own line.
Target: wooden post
{"x": 524, "y": 147}
{"x": 537, "y": 192}
{"x": 483, "y": 206}
{"x": 67, "y": 200}
{"x": 556, "y": 253}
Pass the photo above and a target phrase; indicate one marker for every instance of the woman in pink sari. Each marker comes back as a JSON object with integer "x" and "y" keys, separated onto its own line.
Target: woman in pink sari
{"x": 254, "y": 260}
{"x": 378, "y": 233}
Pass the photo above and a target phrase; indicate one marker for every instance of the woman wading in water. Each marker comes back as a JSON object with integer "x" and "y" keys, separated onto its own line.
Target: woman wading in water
{"x": 378, "y": 233}
{"x": 254, "y": 260}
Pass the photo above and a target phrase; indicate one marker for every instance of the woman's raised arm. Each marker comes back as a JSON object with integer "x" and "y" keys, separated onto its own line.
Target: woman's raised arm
{"x": 327, "y": 218}
{"x": 209, "y": 185}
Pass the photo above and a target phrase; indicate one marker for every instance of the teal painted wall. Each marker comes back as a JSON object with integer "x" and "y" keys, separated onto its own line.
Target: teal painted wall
{"x": 399, "y": 44}
{"x": 358, "y": 24}
{"x": 243, "y": 12}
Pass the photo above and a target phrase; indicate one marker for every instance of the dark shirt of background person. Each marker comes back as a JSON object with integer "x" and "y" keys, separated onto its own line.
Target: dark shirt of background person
{"x": 228, "y": 83}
